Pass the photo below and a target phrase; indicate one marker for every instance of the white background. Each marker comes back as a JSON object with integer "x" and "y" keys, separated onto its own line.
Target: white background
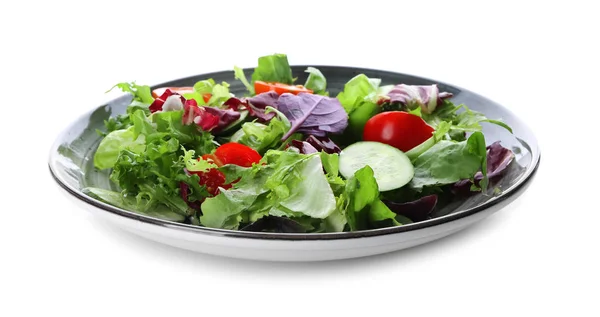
{"x": 537, "y": 257}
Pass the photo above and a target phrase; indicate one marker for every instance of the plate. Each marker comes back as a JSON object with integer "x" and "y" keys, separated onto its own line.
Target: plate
{"x": 71, "y": 165}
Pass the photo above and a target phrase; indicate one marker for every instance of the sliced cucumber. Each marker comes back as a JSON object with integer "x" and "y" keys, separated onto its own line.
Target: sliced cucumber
{"x": 392, "y": 168}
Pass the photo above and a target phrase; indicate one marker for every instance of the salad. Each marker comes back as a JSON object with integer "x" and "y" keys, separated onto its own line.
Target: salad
{"x": 290, "y": 157}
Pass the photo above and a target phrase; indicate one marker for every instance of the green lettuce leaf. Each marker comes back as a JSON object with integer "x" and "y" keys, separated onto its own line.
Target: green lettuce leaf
{"x": 262, "y": 137}
{"x": 316, "y": 81}
{"x": 463, "y": 121}
{"x": 141, "y": 93}
{"x": 131, "y": 204}
{"x": 449, "y": 161}
{"x": 239, "y": 75}
{"x": 219, "y": 92}
{"x": 357, "y": 91}
{"x": 273, "y": 68}
{"x": 287, "y": 184}
{"x": 113, "y": 143}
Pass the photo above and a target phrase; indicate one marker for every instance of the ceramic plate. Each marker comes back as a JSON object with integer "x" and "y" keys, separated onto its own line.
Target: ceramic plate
{"x": 71, "y": 165}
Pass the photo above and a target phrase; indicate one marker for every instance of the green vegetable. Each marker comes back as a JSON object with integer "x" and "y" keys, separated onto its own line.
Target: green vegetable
{"x": 130, "y": 203}
{"x": 359, "y": 99}
{"x": 392, "y": 167}
{"x": 361, "y": 204}
{"x": 316, "y": 81}
{"x": 449, "y": 161}
{"x": 113, "y": 143}
{"x": 140, "y": 93}
{"x": 273, "y": 68}
{"x": 239, "y": 74}
{"x": 287, "y": 184}
{"x": 219, "y": 92}
{"x": 261, "y": 137}
{"x": 466, "y": 120}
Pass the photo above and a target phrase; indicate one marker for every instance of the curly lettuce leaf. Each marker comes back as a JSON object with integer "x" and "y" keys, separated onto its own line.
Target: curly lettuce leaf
{"x": 141, "y": 93}
{"x": 131, "y": 204}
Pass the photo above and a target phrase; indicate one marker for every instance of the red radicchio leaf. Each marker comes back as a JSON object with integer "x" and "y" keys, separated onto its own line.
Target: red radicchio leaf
{"x": 256, "y": 105}
{"x": 412, "y": 96}
{"x": 226, "y": 117}
{"x": 498, "y": 159}
{"x": 157, "y": 104}
{"x": 304, "y": 147}
{"x": 417, "y": 210}
{"x": 198, "y": 115}
{"x": 323, "y": 144}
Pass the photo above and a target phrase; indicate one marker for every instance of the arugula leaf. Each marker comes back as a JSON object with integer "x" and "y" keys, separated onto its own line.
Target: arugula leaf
{"x": 273, "y": 68}
{"x": 316, "y": 81}
{"x": 466, "y": 120}
{"x": 448, "y": 162}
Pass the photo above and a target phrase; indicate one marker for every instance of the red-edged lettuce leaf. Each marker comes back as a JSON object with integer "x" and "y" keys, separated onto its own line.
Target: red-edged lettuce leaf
{"x": 158, "y": 103}
{"x": 226, "y": 117}
{"x": 412, "y": 96}
{"x": 312, "y": 114}
{"x": 256, "y": 105}
{"x": 498, "y": 159}
{"x": 417, "y": 210}
{"x": 304, "y": 147}
{"x": 324, "y": 144}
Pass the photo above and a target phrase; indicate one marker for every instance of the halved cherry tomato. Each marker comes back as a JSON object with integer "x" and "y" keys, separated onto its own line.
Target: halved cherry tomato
{"x": 180, "y": 90}
{"x": 261, "y": 86}
{"x": 238, "y": 154}
{"x": 399, "y": 129}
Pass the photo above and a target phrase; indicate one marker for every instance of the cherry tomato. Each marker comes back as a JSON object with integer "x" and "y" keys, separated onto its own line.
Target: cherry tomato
{"x": 238, "y": 154}
{"x": 261, "y": 86}
{"x": 399, "y": 129}
{"x": 180, "y": 90}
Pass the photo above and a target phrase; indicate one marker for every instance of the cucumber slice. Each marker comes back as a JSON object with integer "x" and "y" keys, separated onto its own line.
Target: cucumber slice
{"x": 392, "y": 168}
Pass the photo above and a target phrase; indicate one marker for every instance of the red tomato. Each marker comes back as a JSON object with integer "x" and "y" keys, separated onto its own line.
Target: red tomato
{"x": 180, "y": 90}
{"x": 238, "y": 154}
{"x": 261, "y": 86}
{"x": 212, "y": 180}
{"x": 399, "y": 129}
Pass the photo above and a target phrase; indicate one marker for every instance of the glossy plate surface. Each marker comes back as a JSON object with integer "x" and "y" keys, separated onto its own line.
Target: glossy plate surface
{"x": 71, "y": 165}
